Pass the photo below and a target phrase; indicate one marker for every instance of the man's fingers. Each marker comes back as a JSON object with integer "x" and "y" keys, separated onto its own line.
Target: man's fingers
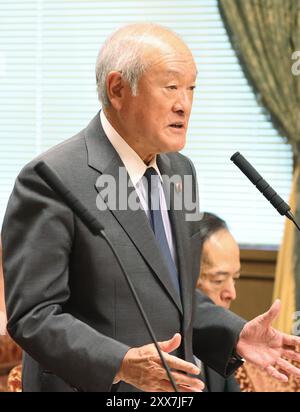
{"x": 181, "y": 365}
{"x": 287, "y": 367}
{"x": 290, "y": 354}
{"x": 171, "y": 344}
{"x": 141, "y": 367}
{"x": 188, "y": 381}
{"x": 167, "y": 387}
{"x": 268, "y": 317}
{"x": 290, "y": 340}
{"x": 183, "y": 388}
{"x": 276, "y": 374}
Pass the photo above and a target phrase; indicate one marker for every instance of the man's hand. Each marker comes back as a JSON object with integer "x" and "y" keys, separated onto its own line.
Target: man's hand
{"x": 142, "y": 368}
{"x": 265, "y": 346}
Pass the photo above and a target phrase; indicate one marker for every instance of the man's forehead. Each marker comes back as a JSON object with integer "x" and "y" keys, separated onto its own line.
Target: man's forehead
{"x": 168, "y": 53}
{"x": 171, "y": 67}
{"x": 216, "y": 262}
{"x": 176, "y": 72}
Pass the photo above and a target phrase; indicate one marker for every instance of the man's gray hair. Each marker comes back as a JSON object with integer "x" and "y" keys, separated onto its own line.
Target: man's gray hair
{"x": 124, "y": 51}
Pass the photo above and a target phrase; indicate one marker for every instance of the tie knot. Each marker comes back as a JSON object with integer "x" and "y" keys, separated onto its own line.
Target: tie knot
{"x": 152, "y": 176}
{"x": 150, "y": 171}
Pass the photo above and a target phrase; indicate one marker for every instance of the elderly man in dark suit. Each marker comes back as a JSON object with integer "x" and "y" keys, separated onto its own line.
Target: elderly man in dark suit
{"x": 68, "y": 305}
{"x": 220, "y": 268}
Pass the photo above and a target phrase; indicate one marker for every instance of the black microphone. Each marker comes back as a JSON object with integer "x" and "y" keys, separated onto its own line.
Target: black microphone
{"x": 280, "y": 205}
{"x": 54, "y": 181}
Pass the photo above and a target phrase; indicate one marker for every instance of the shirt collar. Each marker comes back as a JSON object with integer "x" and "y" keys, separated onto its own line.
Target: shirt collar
{"x": 132, "y": 162}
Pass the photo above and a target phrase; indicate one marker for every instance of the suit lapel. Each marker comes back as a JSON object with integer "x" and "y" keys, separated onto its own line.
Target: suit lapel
{"x": 104, "y": 159}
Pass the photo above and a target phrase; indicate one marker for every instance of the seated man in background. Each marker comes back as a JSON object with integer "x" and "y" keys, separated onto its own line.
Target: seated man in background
{"x": 220, "y": 261}
{"x": 220, "y": 267}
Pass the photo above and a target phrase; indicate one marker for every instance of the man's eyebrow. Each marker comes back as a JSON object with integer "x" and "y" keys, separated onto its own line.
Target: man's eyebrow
{"x": 223, "y": 273}
{"x": 216, "y": 273}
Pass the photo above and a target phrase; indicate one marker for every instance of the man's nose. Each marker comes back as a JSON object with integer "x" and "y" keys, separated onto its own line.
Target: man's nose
{"x": 182, "y": 104}
{"x": 229, "y": 291}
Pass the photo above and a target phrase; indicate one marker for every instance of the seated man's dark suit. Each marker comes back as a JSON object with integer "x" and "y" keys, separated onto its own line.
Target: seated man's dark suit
{"x": 68, "y": 305}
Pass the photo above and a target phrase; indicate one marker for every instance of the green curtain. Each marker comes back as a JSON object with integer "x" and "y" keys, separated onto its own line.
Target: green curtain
{"x": 265, "y": 34}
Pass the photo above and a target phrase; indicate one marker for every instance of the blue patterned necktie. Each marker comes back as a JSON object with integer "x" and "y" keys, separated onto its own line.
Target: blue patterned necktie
{"x": 157, "y": 224}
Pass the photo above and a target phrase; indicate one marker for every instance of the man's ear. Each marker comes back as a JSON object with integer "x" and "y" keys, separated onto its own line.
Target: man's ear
{"x": 115, "y": 89}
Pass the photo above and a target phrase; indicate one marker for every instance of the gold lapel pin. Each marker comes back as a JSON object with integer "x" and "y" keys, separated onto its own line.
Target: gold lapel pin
{"x": 178, "y": 187}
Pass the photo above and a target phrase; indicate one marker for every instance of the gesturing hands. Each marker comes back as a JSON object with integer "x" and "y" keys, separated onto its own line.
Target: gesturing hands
{"x": 142, "y": 368}
{"x": 265, "y": 346}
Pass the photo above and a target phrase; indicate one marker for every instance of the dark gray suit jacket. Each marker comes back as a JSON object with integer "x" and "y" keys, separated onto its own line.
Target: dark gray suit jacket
{"x": 217, "y": 383}
{"x": 68, "y": 305}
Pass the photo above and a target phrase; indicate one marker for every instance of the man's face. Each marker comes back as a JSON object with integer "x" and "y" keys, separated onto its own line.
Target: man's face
{"x": 156, "y": 120}
{"x": 220, "y": 267}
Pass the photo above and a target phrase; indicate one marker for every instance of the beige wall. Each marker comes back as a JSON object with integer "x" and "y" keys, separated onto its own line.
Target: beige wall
{"x": 255, "y": 286}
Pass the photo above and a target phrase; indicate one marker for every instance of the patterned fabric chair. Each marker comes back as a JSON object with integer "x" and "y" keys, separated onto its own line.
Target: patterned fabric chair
{"x": 252, "y": 379}
{"x": 10, "y": 353}
{"x": 14, "y": 380}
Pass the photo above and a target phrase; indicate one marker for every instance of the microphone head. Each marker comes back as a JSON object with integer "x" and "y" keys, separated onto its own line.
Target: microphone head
{"x": 234, "y": 156}
{"x": 260, "y": 183}
{"x": 246, "y": 167}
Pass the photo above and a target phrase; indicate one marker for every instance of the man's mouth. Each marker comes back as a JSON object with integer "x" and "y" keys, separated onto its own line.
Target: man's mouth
{"x": 177, "y": 125}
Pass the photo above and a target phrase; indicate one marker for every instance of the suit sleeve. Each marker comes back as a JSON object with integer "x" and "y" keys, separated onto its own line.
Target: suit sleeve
{"x": 37, "y": 238}
{"x": 215, "y": 335}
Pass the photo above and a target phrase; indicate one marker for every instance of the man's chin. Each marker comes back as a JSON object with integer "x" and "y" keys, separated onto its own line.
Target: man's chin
{"x": 224, "y": 305}
{"x": 176, "y": 147}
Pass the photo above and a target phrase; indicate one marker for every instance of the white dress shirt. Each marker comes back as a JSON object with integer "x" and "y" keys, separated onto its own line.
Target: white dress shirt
{"x": 136, "y": 169}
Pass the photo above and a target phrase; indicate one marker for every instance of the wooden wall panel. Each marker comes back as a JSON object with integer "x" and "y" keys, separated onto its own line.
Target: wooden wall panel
{"x": 255, "y": 286}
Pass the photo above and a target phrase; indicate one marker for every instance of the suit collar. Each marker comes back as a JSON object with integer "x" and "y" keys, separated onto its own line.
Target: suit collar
{"x": 134, "y": 164}
{"x": 99, "y": 149}
{"x": 101, "y": 152}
